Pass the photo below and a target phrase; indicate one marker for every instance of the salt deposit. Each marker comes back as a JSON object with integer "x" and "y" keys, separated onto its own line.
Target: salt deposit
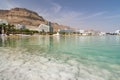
{"x": 19, "y": 64}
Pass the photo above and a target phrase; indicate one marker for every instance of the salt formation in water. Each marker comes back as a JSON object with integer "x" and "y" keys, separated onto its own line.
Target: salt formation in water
{"x": 18, "y": 64}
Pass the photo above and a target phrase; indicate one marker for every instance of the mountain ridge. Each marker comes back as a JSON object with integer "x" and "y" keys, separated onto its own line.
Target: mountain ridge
{"x": 27, "y": 17}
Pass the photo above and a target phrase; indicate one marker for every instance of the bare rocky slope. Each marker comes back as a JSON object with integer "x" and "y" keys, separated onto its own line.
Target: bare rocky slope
{"x": 26, "y": 17}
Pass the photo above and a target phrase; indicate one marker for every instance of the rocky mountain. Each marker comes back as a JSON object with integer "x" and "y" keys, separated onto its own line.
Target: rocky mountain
{"x": 26, "y": 17}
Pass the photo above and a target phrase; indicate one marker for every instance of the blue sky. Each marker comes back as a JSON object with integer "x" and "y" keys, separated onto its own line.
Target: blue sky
{"x": 103, "y": 15}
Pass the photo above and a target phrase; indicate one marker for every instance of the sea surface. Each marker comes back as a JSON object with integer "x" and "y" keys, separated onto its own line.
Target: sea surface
{"x": 60, "y": 58}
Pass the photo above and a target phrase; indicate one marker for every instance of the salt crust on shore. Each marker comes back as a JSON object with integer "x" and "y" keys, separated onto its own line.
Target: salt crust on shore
{"x": 18, "y": 64}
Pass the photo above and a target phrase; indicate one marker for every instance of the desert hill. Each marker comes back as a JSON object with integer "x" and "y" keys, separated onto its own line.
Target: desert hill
{"x": 26, "y": 17}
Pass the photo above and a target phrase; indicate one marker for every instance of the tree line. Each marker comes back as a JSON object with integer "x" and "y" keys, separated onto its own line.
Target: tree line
{"x": 11, "y": 29}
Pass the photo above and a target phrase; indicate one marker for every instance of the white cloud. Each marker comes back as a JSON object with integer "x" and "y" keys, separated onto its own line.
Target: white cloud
{"x": 93, "y": 15}
{"x": 70, "y": 18}
{"x": 56, "y": 7}
{"x": 63, "y": 17}
{"x": 113, "y": 16}
{"x": 55, "y": 13}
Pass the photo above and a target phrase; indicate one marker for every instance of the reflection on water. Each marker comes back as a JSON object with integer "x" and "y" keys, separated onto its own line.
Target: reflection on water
{"x": 89, "y": 47}
{"x": 7, "y": 42}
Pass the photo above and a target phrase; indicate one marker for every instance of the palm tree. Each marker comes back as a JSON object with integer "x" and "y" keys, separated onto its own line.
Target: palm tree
{"x": 0, "y": 28}
{"x": 3, "y": 28}
{"x": 7, "y": 29}
{"x": 11, "y": 29}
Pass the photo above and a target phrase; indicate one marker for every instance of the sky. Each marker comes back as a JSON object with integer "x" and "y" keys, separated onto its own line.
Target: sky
{"x": 102, "y": 15}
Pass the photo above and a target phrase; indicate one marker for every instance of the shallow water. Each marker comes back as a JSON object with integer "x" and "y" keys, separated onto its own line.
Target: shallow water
{"x": 60, "y": 58}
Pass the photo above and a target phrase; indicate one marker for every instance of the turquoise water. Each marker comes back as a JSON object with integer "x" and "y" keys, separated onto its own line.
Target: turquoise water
{"x": 71, "y": 57}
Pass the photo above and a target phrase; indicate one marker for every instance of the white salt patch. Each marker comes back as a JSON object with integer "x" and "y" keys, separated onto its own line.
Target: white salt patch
{"x": 18, "y": 64}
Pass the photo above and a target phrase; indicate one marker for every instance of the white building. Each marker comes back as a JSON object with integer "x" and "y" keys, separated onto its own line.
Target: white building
{"x": 117, "y": 31}
{"x": 45, "y": 28}
{"x": 102, "y": 33}
{"x": 20, "y": 26}
{"x": 3, "y": 21}
{"x": 80, "y": 31}
{"x": 66, "y": 30}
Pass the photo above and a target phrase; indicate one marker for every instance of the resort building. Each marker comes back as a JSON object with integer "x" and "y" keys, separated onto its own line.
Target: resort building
{"x": 66, "y": 30}
{"x": 45, "y": 28}
{"x": 80, "y": 32}
{"x": 89, "y": 32}
{"x": 92, "y": 32}
{"x": 20, "y": 26}
{"x": 3, "y": 21}
{"x": 102, "y": 33}
{"x": 117, "y": 31}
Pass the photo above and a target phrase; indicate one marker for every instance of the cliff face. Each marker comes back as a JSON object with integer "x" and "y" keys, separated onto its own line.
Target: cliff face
{"x": 26, "y": 17}
{"x": 21, "y": 15}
